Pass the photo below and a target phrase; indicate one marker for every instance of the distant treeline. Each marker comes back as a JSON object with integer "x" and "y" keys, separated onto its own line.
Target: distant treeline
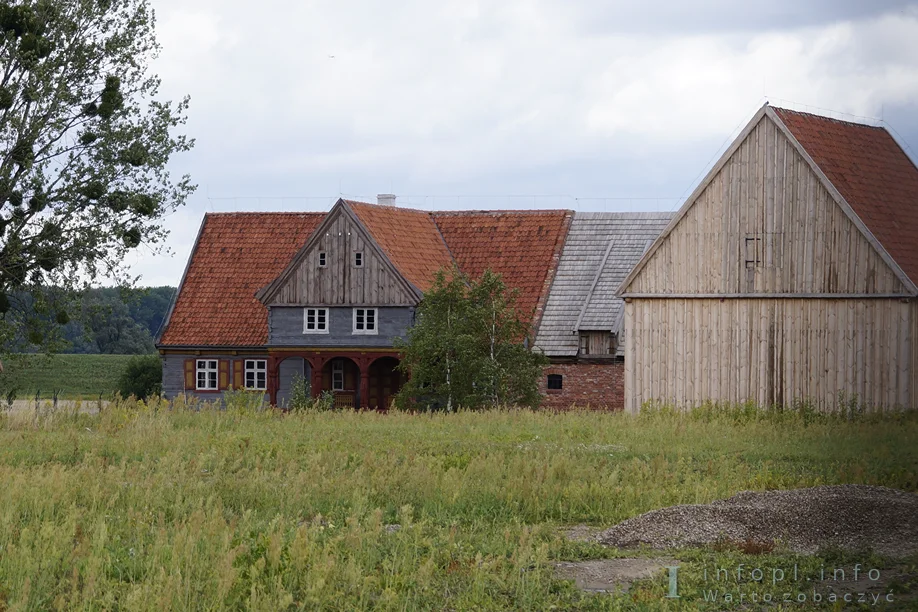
{"x": 113, "y": 321}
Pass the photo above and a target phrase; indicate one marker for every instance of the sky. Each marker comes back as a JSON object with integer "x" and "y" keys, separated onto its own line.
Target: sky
{"x": 463, "y": 104}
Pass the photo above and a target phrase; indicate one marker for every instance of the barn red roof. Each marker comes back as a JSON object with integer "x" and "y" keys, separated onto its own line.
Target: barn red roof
{"x": 239, "y": 253}
{"x": 874, "y": 175}
{"x": 523, "y": 246}
{"x": 236, "y": 254}
{"x": 409, "y": 238}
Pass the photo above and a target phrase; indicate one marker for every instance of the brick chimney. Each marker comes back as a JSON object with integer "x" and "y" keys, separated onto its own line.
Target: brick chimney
{"x": 386, "y": 199}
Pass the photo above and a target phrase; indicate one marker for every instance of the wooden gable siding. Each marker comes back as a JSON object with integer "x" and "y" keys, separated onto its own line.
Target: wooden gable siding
{"x": 340, "y": 282}
{"x": 803, "y": 240}
{"x": 684, "y": 352}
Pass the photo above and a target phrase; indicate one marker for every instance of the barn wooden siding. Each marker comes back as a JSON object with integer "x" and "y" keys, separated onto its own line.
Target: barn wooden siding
{"x": 802, "y": 239}
{"x": 340, "y": 282}
{"x": 771, "y": 351}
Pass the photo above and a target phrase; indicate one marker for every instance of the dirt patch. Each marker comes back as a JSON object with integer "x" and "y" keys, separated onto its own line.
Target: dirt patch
{"x": 610, "y": 575}
{"x": 581, "y": 533}
{"x": 849, "y": 517}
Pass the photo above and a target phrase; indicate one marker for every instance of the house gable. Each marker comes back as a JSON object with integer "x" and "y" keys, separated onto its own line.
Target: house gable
{"x": 765, "y": 222}
{"x": 324, "y": 272}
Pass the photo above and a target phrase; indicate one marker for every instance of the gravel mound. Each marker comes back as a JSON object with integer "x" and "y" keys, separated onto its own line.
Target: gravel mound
{"x": 851, "y": 517}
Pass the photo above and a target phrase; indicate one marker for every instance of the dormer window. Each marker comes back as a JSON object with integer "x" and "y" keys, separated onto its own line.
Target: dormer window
{"x": 358, "y": 259}
{"x": 322, "y": 260}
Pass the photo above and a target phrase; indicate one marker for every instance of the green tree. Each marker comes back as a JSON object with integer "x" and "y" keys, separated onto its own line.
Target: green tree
{"x": 467, "y": 348}
{"x": 142, "y": 377}
{"x": 84, "y": 148}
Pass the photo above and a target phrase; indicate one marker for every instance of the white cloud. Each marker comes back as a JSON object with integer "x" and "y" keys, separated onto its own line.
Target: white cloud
{"x": 447, "y": 96}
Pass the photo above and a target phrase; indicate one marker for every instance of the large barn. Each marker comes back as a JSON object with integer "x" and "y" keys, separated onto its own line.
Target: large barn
{"x": 788, "y": 276}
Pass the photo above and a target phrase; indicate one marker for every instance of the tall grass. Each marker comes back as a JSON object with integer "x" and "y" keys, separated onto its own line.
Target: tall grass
{"x": 190, "y": 507}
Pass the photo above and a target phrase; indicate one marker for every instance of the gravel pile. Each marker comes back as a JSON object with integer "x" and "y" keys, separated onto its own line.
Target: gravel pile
{"x": 851, "y": 517}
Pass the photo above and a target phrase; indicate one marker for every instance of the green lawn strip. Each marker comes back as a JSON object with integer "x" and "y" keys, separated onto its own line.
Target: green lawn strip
{"x": 73, "y": 376}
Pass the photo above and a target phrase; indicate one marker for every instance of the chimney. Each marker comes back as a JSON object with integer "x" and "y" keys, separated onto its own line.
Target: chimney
{"x": 386, "y": 199}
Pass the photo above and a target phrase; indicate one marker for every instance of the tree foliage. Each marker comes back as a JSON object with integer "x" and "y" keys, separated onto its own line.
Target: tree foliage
{"x": 106, "y": 320}
{"x": 84, "y": 148}
{"x": 467, "y": 349}
{"x": 142, "y": 377}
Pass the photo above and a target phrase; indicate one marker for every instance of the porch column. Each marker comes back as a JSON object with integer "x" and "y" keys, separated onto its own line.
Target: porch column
{"x": 364, "y": 364}
{"x": 316, "y": 364}
{"x": 273, "y": 380}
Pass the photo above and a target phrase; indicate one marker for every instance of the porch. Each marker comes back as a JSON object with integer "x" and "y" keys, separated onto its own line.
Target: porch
{"x": 358, "y": 379}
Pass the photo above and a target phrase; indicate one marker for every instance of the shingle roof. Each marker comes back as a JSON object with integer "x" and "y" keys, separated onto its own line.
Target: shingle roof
{"x": 600, "y": 250}
{"x": 872, "y": 172}
{"x": 236, "y": 254}
{"x": 409, "y": 238}
{"x": 239, "y": 253}
{"x": 521, "y": 245}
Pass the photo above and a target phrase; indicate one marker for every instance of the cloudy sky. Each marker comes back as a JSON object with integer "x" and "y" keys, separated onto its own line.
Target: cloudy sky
{"x": 582, "y": 104}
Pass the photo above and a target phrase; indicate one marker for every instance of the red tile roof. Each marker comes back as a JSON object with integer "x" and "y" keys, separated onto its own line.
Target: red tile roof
{"x": 239, "y": 253}
{"x": 236, "y": 254}
{"x": 874, "y": 175}
{"x": 523, "y": 246}
{"x": 409, "y": 238}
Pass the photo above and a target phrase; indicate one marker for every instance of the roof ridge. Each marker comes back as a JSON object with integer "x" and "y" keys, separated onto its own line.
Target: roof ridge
{"x": 388, "y": 207}
{"x": 827, "y": 118}
{"x": 269, "y": 212}
{"x": 504, "y": 211}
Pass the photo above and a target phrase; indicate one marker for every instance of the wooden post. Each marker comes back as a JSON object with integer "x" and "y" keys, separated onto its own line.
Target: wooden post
{"x": 318, "y": 364}
{"x": 273, "y": 379}
{"x": 364, "y": 399}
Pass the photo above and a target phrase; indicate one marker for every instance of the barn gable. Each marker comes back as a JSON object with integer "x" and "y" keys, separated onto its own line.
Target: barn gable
{"x": 340, "y": 265}
{"x": 766, "y": 221}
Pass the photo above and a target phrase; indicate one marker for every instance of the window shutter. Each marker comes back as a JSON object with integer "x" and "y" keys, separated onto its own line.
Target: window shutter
{"x": 238, "y": 373}
{"x": 223, "y": 374}
{"x": 189, "y": 374}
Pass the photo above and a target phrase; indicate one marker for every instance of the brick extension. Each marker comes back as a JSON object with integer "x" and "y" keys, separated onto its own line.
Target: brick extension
{"x": 599, "y": 386}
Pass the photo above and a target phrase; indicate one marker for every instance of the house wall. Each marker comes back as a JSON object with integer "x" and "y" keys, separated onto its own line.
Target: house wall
{"x": 585, "y": 385}
{"x": 285, "y": 327}
{"x": 340, "y": 282}
{"x": 771, "y": 351}
{"x": 803, "y": 239}
{"x": 174, "y": 375}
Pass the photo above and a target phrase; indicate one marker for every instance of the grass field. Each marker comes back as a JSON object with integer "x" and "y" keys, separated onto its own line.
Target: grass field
{"x": 178, "y": 509}
{"x": 75, "y": 376}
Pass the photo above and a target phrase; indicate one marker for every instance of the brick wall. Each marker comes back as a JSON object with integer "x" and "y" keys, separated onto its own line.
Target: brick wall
{"x": 585, "y": 385}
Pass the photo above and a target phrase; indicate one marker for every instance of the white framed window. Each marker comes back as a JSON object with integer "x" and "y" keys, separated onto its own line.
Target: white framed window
{"x": 365, "y": 321}
{"x": 256, "y": 374}
{"x": 206, "y": 374}
{"x": 315, "y": 320}
{"x": 337, "y": 375}
{"x": 358, "y": 259}
{"x": 323, "y": 261}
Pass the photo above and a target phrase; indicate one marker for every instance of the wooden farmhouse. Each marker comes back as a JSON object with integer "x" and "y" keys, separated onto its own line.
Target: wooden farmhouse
{"x": 789, "y": 275}
{"x": 270, "y": 297}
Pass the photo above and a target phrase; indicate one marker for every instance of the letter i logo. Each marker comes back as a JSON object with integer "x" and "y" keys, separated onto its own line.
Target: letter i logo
{"x": 673, "y": 582}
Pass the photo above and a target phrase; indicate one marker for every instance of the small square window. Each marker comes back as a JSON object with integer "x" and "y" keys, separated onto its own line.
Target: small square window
{"x": 206, "y": 375}
{"x": 358, "y": 259}
{"x": 322, "y": 260}
{"x": 315, "y": 321}
{"x": 555, "y": 382}
{"x": 365, "y": 321}
{"x": 256, "y": 374}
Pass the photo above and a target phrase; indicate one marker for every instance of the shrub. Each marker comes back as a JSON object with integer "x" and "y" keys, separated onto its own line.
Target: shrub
{"x": 300, "y": 393}
{"x": 142, "y": 377}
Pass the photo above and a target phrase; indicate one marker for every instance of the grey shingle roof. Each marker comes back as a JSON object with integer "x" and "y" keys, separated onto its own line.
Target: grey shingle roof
{"x": 600, "y": 250}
